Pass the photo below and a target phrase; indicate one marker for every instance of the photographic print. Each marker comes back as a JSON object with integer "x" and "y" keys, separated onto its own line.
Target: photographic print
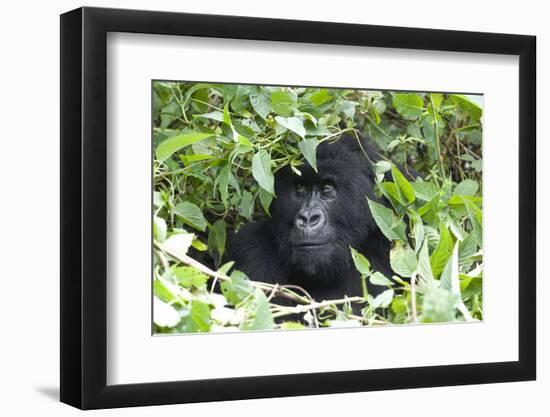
{"x": 291, "y": 207}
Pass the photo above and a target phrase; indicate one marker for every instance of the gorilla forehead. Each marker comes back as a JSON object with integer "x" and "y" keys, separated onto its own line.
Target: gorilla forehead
{"x": 340, "y": 161}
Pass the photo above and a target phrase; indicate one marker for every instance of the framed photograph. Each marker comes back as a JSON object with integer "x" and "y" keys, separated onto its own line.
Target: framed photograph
{"x": 256, "y": 208}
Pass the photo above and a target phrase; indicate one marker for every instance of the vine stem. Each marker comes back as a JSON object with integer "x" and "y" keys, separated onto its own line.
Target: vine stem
{"x": 315, "y": 305}
{"x": 186, "y": 259}
{"x": 308, "y": 303}
{"x": 413, "y": 297}
{"x": 437, "y": 144}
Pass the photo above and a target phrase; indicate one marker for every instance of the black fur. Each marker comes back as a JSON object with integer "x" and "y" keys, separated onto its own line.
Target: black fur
{"x": 335, "y": 216}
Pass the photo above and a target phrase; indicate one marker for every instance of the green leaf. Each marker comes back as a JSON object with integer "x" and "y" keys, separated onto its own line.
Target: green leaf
{"x": 261, "y": 102}
{"x": 215, "y": 115}
{"x": 224, "y": 269}
{"x": 293, "y": 124}
{"x": 399, "y": 305}
{"x": 237, "y": 288}
{"x": 468, "y": 247}
{"x": 164, "y": 315}
{"x": 361, "y": 263}
{"x": 348, "y": 108}
{"x": 246, "y": 207}
{"x": 383, "y": 300}
{"x": 475, "y": 216}
{"x": 410, "y": 106}
{"x": 199, "y": 317}
{"x": 159, "y": 229}
{"x": 191, "y": 214}
{"x": 189, "y": 159}
{"x": 265, "y": 199}
{"x": 217, "y": 239}
{"x": 403, "y": 260}
{"x": 190, "y": 277}
{"x": 438, "y": 306}
{"x": 292, "y": 325}
{"x": 418, "y": 230}
{"x": 308, "y": 147}
{"x": 158, "y": 199}
{"x": 162, "y": 291}
{"x": 449, "y": 277}
{"x": 263, "y": 319}
{"x": 167, "y": 147}
{"x": 442, "y": 252}
{"x": 404, "y": 187}
{"x": 467, "y": 187}
{"x": 467, "y": 106}
{"x": 424, "y": 268}
{"x": 282, "y": 103}
{"x": 378, "y": 278}
{"x": 198, "y": 245}
{"x": 179, "y": 242}
{"x": 391, "y": 192}
{"x": 425, "y": 191}
{"x": 382, "y": 166}
{"x": 261, "y": 171}
{"x": 222, "y": 181}
{"x": 389, "y": 224}
{"x": 321, "y": 97}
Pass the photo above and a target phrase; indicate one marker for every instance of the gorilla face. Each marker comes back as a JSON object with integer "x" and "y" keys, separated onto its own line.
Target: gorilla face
{"x": 317, "y": 216}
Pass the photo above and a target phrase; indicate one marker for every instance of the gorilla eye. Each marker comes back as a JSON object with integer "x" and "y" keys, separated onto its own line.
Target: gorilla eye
{"x": 299, "y": 188}
{"x": 327, "y": 188}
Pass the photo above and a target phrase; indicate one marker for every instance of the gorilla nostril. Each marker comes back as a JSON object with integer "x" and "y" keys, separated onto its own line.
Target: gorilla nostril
{"x": 314, "y": 219}
{"x": 301, "y": 221}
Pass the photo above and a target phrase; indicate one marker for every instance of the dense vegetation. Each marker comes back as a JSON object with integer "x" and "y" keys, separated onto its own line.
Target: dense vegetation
{"x": 217, "y": 148}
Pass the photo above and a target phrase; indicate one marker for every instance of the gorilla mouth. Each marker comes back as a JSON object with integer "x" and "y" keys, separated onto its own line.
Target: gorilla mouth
{"x": 309, "y": 245}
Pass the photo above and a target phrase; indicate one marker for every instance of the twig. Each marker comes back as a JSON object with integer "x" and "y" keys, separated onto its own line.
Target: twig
{"x": 282, "y": 290}
{"x": 273, "y": 291}
{"x": 315, "y": 305}
{"x": 413, "y": 296}
{"x": 186, "y": 259}
{"x": 436, "y": 130}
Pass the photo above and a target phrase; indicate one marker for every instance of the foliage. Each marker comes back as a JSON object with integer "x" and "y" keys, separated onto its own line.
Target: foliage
{"x": 217, "y": 148}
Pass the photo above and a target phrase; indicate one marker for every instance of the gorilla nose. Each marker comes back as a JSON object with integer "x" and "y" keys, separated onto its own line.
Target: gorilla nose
{"x": 312, "y": 219}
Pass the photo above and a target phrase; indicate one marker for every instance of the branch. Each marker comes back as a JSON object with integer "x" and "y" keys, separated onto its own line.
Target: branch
{"x": 315, "y": 305}
{"x": 268, "y": 288}
{"x": 413, "y": 297}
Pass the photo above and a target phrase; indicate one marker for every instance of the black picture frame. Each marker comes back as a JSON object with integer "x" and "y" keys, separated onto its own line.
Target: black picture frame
{"x": 84, "y": 207}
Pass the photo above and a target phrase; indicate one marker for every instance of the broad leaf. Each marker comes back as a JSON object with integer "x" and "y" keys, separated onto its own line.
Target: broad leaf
{"x": 403, "y": 260}
{"x": 442, "y": 252}
{"x": 238, "y": 288}
{"x": 261, "y": 171}
{"x": 282, "y": 103}
{"x": 378, "y": 278}
{"x": 164, "y": 315}
{"x": 261, "y": 102}
{"x": 361, "y": 263}
{"x": 191, "y": 214}
{"x": 410, "y": 106}
{"x": 216, "y": 240}
{"x": 167, "y": 147}
{"x": 404, "y": 187}
{"x": 179, "y": 242}
{"x": 389, "y": 224}
{"x": 262, "y": 317}
{"x": 308, "y": 147}
{"x": 467, "y": 188}
{"x": 293, "y": 124}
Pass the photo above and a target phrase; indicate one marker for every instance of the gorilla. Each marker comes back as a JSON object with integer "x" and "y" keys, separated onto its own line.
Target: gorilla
{"x": 315, "y": 219}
